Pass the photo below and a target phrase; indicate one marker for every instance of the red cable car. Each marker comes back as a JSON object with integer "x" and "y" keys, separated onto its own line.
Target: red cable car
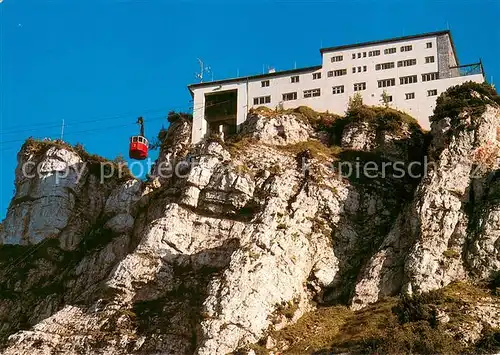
{"x": 138, "y": 149}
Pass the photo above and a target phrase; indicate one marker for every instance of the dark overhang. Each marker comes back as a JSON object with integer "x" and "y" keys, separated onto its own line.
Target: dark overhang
{"x": 390, "y": 40}
{"x": 253, "y": 77}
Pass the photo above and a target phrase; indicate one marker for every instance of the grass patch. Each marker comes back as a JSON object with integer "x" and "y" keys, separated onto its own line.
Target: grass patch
{"x": 288, "y": 309}
{"x": 318, "y": 150}
{"x": 238, "y": 144}
{"x": 383, "y": 118}
{"x": 404, "y": 325}
{"x": 314, "y": 331}
{"x": 451, "y": 254}
{"x": 460, "y": 98}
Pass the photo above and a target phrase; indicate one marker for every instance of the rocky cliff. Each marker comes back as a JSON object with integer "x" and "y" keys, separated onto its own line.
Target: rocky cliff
{"x": 230, "y": 242}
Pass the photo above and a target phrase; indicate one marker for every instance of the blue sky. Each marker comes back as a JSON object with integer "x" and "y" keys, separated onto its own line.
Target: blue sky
{"x": 111, "y": 61}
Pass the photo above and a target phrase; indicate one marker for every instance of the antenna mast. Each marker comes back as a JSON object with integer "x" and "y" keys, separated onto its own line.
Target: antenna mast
{"x": 203, "y": 70}
{"x": 62, "y": 130}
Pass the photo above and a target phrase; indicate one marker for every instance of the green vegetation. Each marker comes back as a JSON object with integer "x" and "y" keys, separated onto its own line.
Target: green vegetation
{"x": 489, "y": 343}
{"x": 461, "y": 98}
{"x": 118, "y": 167}
{"x": 404, "y": 325}
{"x": 320, "y": 121}
{"x": 288, "y": 309}
{"x": 235, "y": 145}
{"x": 176, "y": 116}
{"x": 163, "y": 138}
{"x": 383, "y": 118}
{"x": 318, "y": 150}
{"x": 384, "y": 98}
{"x": 451, "y": 254}
{"x": 355, "y": 102}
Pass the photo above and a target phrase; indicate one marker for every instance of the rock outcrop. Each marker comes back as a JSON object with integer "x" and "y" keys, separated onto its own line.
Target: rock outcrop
{"x": 228, "y": 241}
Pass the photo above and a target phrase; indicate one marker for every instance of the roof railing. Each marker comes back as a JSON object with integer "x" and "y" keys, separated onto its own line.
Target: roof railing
{"x": 467, "y": 69}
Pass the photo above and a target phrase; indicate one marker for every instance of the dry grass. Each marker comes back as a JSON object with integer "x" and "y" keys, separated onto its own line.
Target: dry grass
{"x": 237, "y": 145}
{"x": 318, "y": 150}
{"x": 314, "y": 331}
{"x": 380, "y": 328}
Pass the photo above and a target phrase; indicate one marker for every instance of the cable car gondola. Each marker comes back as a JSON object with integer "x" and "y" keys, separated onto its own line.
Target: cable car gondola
{"x": 138, "y": 148}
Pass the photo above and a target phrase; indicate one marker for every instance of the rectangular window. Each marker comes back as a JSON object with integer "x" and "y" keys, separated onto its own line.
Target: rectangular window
{"x": 337, "y": 58}
{"x": 430, "y": 76}
{"x": 407, "y": 63}
{"x": 364, "y": 54}
{"x": 429, "y": 59}
{"x": 433, "y": 92}
{"x": 316, "y": 76}
{"x": 340, "y": 72}
{"x": 428, "y": 45}
{"x": 312, "y": 93}
{"x": 390, "y": 50}
{"x": 386, "y": 82}
{"x": 410, "y": 95}
{"x": 359, "y": 86}
{"x": 330, "y": 73}
{"x": 406, "y": 48}
{"x": 354, "y": 69}
{"x": 373, "y": 53}
{"x": 294, "y": 79}
{"x": 383, "y": 66}
{"x": 364, "y": 67}
{"x": 338, "y": 89}
{"x": 264, "y": 83}
{"x": 359, "y": 55}
{"x": 354, "y": 56}
{"x": 262, "y": 100}
{"x": 408, "y": 79}
{"x": 290, "y": 96}
{"x": 359, "y": 69}
{"x": 389, "y": 98}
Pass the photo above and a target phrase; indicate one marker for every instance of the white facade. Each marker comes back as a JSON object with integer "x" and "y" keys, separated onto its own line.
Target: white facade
{"x": 363, "y": 64}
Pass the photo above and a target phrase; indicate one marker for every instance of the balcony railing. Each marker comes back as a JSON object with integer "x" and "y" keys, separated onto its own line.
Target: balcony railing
{"x": 468, "y": 69}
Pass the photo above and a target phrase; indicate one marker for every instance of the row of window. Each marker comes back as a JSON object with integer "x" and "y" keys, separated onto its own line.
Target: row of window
{"x": 410, "y": 79}
{"x": 375, "y": 53}
{"x": 359, "y": 69}
{"x": 340, "y": 72}
{"x": 381, "y": 83}
{"x": 290, "y": 96}
{"x": 402, "y": 63}
{"x": 408, "y": 95}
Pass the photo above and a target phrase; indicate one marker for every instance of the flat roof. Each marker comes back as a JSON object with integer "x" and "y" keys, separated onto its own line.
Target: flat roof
{"x": 394, "y": 39}
{"x": 259, "y": 76}
{"x": 322, "y": 51}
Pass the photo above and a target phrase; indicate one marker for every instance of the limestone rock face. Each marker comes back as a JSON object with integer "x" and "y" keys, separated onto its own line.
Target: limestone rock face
{"x": 449, "y": 231}
{"x": 276, "y": 129}
{"x": 45, "y": 196}
{"x": 405, "y": 143}
{"x": 240, "y": 241}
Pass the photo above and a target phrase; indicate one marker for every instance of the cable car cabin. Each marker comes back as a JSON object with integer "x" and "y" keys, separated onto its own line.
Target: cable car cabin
{"x": 138, "y": 148}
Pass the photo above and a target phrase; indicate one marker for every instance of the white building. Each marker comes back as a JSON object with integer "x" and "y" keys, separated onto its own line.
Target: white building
{"x": 412, "y": 70}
